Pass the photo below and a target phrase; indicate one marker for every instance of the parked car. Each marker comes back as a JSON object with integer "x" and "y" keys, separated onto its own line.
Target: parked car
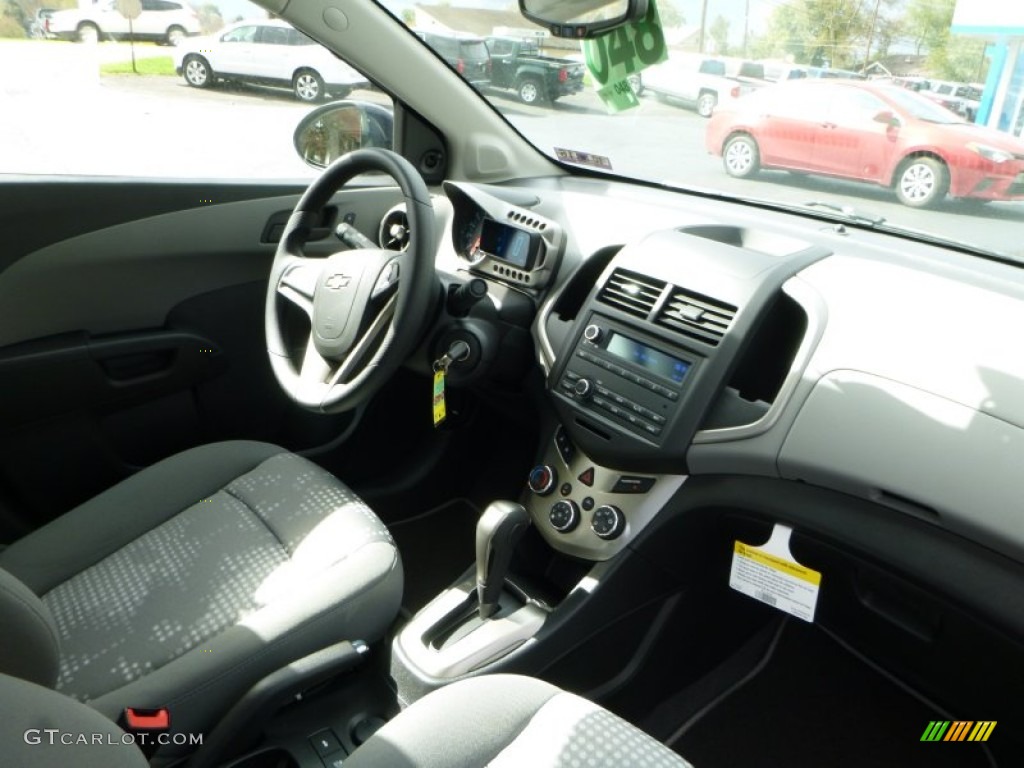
{"x": 831, "y": 73}
{"x": 166, "y": 21}
{"x": 466, "y": 54}
{"x": 702, "y": 82}
{"x": 518, "y": 65}
{"x": 961, "y": 98}
{"x": 266, "y": 52}
{"x": 871, "y": 132}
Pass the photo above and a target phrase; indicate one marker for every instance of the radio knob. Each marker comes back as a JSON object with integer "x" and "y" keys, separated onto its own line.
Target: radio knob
{"x": 608, "y": 522}
{"x": 592, "y": 333}
{"x": 542, "y": 479}
{"x": 583, "y": 388}
{"x": 564, "y": 516}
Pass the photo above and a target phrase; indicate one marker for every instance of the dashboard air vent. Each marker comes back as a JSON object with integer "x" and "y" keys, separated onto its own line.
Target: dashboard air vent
{"x": 631, "y": 292}
{"x": 394, "y": 230}
{"x": 696, "y": 316}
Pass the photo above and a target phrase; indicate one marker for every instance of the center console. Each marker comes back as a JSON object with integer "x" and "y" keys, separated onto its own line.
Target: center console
{"x": 637, "y": 361}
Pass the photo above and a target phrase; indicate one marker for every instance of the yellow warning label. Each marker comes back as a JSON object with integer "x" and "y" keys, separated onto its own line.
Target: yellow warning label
{"x": 779, "y": 564}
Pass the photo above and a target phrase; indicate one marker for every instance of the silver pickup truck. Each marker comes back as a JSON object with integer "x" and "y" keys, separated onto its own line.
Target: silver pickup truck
{"x": 701, "y": 81}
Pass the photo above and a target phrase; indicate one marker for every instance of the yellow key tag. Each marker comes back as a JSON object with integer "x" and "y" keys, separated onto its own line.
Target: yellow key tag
{"x": 439, "y": 409}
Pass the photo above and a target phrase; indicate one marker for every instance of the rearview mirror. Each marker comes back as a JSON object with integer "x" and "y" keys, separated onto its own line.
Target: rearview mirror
{"x": 582, "y": 18}
{"x": 330, "y": 131}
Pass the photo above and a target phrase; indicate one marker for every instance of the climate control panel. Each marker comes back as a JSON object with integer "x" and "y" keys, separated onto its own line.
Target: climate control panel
{"x": 588, "y": 510}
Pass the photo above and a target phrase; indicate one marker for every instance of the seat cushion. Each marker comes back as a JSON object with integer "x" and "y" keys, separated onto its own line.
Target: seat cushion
{"x": 43, "y": 729}
{"x": 501, "y": 721}
{"x": 193, "y": 579}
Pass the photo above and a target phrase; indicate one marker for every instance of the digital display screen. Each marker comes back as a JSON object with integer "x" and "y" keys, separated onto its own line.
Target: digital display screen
{"x": 650, "y": 359}
{"x": 507, "y": 243}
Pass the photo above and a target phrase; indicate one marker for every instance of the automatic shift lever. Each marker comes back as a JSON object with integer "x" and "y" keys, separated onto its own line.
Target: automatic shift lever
{"x": 497, "y": 532}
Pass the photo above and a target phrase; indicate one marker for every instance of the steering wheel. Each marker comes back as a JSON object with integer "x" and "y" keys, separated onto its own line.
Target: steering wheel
{"x": 367, "y": 307}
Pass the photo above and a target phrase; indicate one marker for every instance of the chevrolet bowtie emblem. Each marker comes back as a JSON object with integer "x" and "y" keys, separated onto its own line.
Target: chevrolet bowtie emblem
{"x": 337, "y": 281}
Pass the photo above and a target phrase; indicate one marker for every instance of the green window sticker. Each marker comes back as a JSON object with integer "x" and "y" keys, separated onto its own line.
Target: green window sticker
{"x": 613, "y": 57}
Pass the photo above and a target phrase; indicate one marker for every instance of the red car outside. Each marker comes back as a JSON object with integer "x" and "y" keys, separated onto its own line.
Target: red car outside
{"x": 869, "y": 132}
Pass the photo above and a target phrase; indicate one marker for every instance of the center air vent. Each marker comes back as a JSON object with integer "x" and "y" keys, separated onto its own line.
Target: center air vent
{"x": 631, "y": 292}
{"x": 696, "y": 316}
{"x": 394, "y": 230}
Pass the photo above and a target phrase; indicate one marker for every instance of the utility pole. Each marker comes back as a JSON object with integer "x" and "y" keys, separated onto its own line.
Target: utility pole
{"x": 746, "y": 27}
{"x": 871, "y": 36}
{"x": 703, "y": 24}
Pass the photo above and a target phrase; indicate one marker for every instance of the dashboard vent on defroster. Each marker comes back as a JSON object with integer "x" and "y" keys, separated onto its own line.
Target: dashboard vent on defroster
{"x": 631, "y": 292}
{"x": 696, "y": 316}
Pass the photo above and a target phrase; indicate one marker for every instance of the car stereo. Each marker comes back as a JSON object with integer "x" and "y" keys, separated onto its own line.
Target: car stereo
{"x": 633, "y": 380}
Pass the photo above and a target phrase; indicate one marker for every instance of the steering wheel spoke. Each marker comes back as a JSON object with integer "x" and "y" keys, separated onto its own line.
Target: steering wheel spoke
{"x": 298, "y": 283}
{"x": 381, "y": 325}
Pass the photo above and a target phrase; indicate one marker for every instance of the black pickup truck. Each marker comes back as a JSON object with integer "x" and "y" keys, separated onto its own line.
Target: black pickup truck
{"x": 519, "y": 65}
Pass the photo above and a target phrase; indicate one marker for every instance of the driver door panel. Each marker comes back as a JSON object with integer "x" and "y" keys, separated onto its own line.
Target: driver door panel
{"x": 131, "y": 327}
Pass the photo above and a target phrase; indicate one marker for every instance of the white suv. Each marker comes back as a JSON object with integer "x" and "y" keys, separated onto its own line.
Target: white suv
{"x": 161, "y": 20}
{"x": 267, "y": 52}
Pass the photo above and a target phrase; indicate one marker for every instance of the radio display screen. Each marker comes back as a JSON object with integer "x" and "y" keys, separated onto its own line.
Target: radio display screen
{"x": 646, "y": 357}
{"x": 515, "y": 246}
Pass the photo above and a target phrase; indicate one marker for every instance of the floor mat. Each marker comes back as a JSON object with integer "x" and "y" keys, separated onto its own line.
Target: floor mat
{"x": 815, "y": 704}
{"x": 436, "y": 547}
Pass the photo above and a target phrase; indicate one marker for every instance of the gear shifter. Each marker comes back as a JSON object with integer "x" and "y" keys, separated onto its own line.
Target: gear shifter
{"x": 497, "y": 532}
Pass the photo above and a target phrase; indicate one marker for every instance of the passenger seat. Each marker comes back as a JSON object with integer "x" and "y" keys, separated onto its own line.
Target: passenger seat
{"x": 497, "y": 721}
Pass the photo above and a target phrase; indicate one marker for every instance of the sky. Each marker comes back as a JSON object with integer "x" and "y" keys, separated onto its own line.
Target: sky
{"x": 730, "y": 9}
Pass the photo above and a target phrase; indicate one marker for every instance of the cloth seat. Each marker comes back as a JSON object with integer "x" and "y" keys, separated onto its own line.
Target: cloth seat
{"x": 190, "y": 581}
{"x": 498, "y": 721}
{"x": 510, "y": 721}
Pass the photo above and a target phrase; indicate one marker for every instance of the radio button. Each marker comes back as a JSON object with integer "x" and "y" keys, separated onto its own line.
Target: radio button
{"x": 583, "y": 388}
{"x": 652, "y": 430}
{"x": 592, "y": 333}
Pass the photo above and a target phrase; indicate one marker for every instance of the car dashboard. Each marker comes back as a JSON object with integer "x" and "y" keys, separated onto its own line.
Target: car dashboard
{"x": 682, "y": 336}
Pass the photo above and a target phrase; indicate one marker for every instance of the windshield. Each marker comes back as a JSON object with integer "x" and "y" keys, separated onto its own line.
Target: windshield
{"x": 950, "y": 167}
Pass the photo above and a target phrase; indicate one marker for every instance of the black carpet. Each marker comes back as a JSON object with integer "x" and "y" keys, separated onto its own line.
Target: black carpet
{"x": 816, "y": 705}
{"x": 436, "y": 547}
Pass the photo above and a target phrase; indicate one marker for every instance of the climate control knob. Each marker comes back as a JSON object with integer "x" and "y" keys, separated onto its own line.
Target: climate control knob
{"x": 592, "y": 333}
{"x": 608, "y": 522}
{"x": 564, "y": 516}
{"x": 542, "y": 479}
{"x": 583, "y": 388}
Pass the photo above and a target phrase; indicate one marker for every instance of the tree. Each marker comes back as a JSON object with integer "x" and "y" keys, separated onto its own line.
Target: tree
{"x": 719, "y": 32}
{"x": 210, "y": 18}
{"x": 409, "y": 16}
{"x": 928, "y": 23}
{"x": 818, "y": 32}
{"x": 671, "y": 16}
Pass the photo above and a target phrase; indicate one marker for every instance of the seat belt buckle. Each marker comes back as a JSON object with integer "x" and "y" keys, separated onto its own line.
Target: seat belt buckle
{"x": 146, "y": 725}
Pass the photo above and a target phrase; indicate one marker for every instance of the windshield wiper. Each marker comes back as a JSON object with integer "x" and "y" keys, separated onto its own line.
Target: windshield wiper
{"x": 849, "y": 213}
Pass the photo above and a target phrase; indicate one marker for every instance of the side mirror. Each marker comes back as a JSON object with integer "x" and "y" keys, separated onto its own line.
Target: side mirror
{"x": 582, "y": 18}
{"x": 330, "y": 131}
{"x": 887, "y": 118}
